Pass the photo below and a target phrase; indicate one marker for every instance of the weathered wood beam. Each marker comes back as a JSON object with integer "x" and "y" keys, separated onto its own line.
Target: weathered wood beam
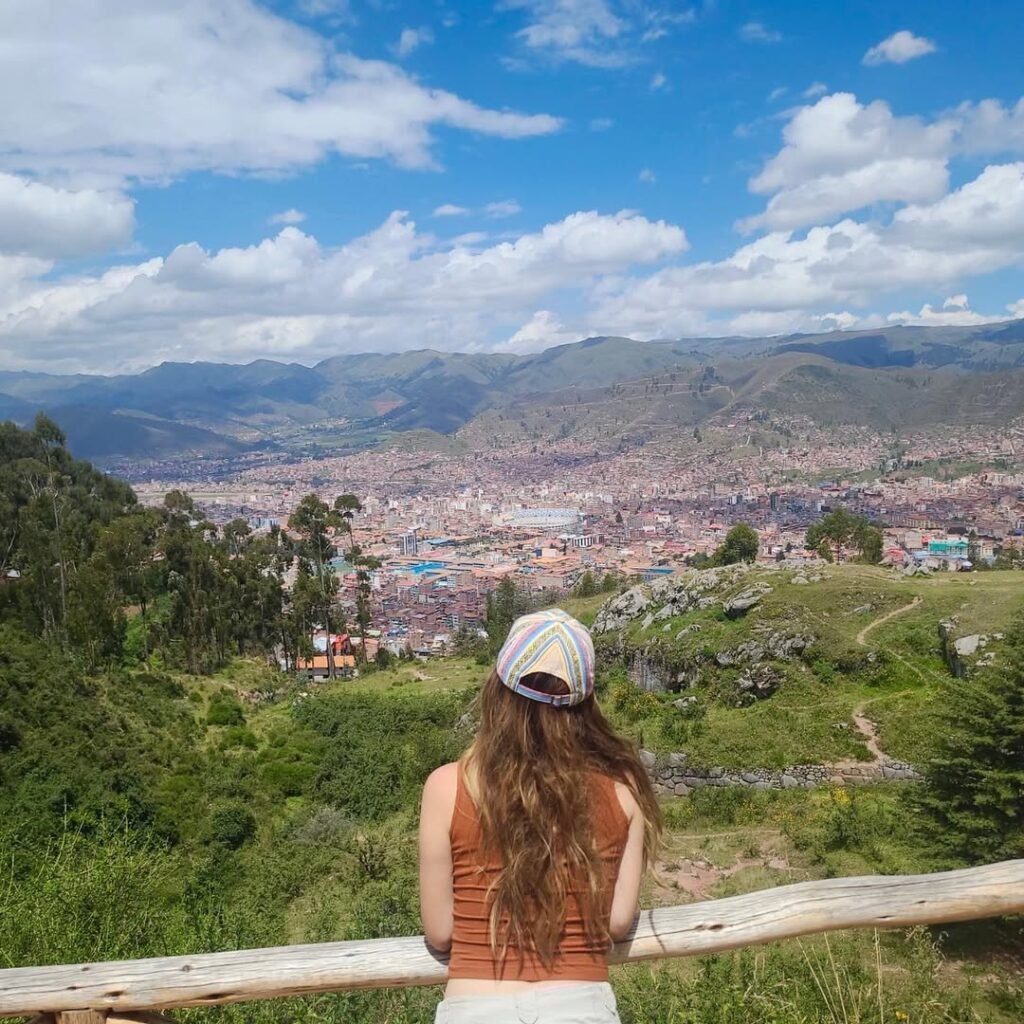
{"x": 806, "y": 908}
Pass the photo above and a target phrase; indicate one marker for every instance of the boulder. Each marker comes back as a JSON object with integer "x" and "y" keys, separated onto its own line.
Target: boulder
{"x": 744, "y": 601}
{"x": 621, "y": 610}
{"x": 968, "y": 645}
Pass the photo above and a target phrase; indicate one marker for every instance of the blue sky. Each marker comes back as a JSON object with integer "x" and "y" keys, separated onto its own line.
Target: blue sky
{"x": 228, "y": 180}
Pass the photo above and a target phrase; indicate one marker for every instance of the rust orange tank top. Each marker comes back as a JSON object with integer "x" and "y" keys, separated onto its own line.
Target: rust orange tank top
{"x": 473, "y": 873}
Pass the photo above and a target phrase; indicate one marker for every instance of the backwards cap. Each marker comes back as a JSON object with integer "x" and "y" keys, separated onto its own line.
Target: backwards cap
{"x": 552, "y": 642}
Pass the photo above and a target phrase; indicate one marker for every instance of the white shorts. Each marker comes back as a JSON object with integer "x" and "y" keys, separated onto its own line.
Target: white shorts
{"x": 585, "y": 1002}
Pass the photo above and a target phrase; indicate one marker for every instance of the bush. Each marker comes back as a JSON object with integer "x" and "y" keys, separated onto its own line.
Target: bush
{"x": 232, "y": 826}
{"x": 225, "y": 709}
{"x": 630, "y": 702}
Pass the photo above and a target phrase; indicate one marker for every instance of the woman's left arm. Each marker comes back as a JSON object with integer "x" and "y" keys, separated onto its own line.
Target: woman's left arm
{"x": 436, "y": 896}
{"x": 626, "y": 895}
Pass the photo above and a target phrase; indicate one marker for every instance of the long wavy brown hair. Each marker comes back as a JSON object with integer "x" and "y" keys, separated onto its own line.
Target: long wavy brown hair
{"x": 527, "y": 772}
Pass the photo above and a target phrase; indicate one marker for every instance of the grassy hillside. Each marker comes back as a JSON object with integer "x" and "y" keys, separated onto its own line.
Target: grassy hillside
{"x": 786, "y": 682}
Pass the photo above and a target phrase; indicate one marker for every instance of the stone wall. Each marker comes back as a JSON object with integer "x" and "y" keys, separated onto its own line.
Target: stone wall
{"x": 671, "y": 774}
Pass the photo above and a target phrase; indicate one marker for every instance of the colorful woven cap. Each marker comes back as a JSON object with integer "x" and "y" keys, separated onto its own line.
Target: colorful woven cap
{"x": 551, "y": 642}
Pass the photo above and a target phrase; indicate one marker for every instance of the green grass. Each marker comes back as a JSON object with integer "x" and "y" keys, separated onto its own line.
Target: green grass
{"x": 416, "y": 677}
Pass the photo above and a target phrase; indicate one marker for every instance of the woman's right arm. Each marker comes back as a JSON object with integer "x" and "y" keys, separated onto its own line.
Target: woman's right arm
{"x": 626, "y": 896}
{"x": 436, "y": 895}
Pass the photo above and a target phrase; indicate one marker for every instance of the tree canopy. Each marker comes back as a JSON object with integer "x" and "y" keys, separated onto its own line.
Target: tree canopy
{"x": 840, "y": 529}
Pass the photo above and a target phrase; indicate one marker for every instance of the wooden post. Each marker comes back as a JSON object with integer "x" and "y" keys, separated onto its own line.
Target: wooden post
{"x": 82, "y": 1017}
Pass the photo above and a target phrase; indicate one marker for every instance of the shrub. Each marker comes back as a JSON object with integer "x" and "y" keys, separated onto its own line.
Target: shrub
{"x": 232, "y": 826}
{"x": 225, "y": 709}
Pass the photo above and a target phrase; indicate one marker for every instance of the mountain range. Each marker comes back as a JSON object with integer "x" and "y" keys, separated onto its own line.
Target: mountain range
{"x": 888, "y": 378}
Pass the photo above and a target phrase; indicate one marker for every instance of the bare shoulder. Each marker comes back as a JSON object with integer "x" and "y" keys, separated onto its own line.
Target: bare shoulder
{"x": 626, "y": 800}
{"x": 442, "y": 782}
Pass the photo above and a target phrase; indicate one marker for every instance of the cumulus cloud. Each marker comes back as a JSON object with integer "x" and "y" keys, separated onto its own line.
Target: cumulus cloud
{"x": 973, "y": 230}
{"x": 899, "y": 48}
{"x": 986, "y": 213}
{"x": 906, "y": 179}
{"x": 412, "y": 39}
{"x": 289, "y": 296}
{"x": 990, "y": 127}
{"x": 40, "y": 220}
{"x": 290, "y": 216}
{"x": 543, "y": 330}
{"x": 226, "y": 87}
{"x": 840, "y": 155}
{"x": 839, "y": 134}
{"x": 756, "y": 32}
{"x": 814, "y": 90}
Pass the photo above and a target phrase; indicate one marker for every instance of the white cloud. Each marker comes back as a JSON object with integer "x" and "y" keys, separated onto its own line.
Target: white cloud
{"x": 658, "y": 81}
{"x": 989, "y": 127}
{"x": 39, "y": 220}
{"x": 290, "y": 297}
{"x": 543, "y": 330}
{"x": 974, "y": 230}
{"x": 584, "y": 31}
{"x": 289, "y": 216}
{"x": 450, "y": 210}
{"x": 777, "y": 93}
{"x": 904, "y": 179}
{"x": 502, "y": 208}
{"x": 496, "y": 210}
{"x": 759, "y": 323}
{"x": 647, "y": 176}
{"x": 955, "y": 312}
{"x": 814, "y": 90}
{"x": 840, "y": 155}
{"x": 756, "y": 32}
{"x": 413, "y": 38}
{"x": 659, "y": 22}
{"x": 838, "y": 134}
{"x": 1017, "y": 308}
{"x": 984, "y": 214}
{"x": 226, "y": 86}
{"x": 899, "y": 48}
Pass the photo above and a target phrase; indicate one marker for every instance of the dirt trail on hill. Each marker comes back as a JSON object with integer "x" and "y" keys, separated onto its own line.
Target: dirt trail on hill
{"x": 862, "y": 636}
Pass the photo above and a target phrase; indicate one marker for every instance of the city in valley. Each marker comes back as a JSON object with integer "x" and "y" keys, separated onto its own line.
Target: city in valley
{"x": 445, "y": 529}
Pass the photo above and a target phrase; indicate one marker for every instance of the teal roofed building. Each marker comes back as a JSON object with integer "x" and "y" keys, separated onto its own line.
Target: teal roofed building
{"x": 951, "y": 547}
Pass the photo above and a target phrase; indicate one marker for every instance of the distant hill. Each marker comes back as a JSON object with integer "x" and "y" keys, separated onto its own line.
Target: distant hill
{"x": 885, "y": 378}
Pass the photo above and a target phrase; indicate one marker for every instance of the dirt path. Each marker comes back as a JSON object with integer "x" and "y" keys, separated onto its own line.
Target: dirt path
{"x": 869, "y": 731}
{"x": 862, "y": 636}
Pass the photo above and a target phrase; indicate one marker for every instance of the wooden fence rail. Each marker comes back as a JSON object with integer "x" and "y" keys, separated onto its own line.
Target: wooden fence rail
{"x": 124, "y": 990}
